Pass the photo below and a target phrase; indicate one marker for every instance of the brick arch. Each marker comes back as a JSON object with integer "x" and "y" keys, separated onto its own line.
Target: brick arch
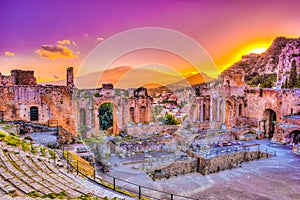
{"x": 98, "y": 103}
{"x": 269, "y": 116}
{"x": 63, "y": 121}
{"x": 229, "y": 112}
{"x": 291, "y": 135}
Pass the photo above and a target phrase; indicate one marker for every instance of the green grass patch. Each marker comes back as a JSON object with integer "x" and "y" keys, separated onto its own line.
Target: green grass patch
{"x": 25, "y": 146}
{"x": 52, "y": 153}
{"x": 43, "y": 151}
{"x": 61, "y": 195}
{"x": 12, "y": 140}
{"x": 33, "y": 149}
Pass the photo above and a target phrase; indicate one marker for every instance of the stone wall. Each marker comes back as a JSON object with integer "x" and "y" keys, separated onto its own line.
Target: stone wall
{"x": 228, "y": 161}
{"x": 23, "y": 77}
{"x": 176, "y": 168}
{"x": 52, "y": 103}
{"x": 136, "y": 130}
{"x": 6, "y": 80}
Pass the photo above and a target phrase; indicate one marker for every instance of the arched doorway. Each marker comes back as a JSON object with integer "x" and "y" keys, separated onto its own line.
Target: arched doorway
{"x": 82, "y": 117}
{"x": 240, "y": 110}
{"x": 229, "y": 113}
{"x": 131, "y": 112}
{"x": 295, "y": 136}
{"x": 106, "y": 116}
{"x": 269, "y": 125}
{"x": 143, "y": 114}
{"x": 111, "y": 147}
{"x": 34, "y": 113}
{"x": 204, "y": 112}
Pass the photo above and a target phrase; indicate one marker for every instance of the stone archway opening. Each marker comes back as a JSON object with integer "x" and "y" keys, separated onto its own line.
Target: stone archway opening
{"x": 106, "y": 118}
{"x": 131, "y": 112}
{"x": 295, "y": 137}
{"x": 269, "y": 119}
{"x": 82, "y": 117}
{"x": 229, "y": 113}
{"x": 111, "y": 147}
{"x": 143, "y": 114}
{"x": 34, "y": 113}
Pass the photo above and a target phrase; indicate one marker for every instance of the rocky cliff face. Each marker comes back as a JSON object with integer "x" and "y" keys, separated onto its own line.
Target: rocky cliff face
{"x": 270, "y": 68}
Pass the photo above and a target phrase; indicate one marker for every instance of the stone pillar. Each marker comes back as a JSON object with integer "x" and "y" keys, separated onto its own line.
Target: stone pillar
{"x": 201, "y": 110}
{"x": 223, "y": 111}
{"x": 211, "y": 111}
{"x": 70, "y": 77}
{"x": 218, "y": 109}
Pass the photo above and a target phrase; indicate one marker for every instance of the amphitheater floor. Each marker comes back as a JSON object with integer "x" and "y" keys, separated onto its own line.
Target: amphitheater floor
{"x": 273, "y": 178}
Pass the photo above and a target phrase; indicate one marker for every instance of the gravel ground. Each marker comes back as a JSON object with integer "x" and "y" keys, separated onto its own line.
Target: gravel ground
{"x": 273, "y": 178}
{"x": 42, "y": 137}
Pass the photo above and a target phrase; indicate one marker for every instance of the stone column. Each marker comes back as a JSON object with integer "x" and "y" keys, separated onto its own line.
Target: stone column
{"x": 223, "y": 111}
{"x": 218, "y": 109}
{"x": 211, "y": 111}
{"x": 70, "y": 77}
{"x": 201, "y": 110}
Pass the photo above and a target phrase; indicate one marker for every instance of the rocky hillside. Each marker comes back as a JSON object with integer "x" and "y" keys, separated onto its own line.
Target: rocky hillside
{"x": 272, "y": 67}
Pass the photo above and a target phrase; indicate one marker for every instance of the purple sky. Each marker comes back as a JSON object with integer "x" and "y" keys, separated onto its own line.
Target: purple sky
{"x": 223, "y": 27}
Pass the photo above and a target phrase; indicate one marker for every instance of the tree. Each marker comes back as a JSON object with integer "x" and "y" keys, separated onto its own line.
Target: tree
{"x": 171, "y": 120}
{"x": 106, "y": 116}
{"x": 297, "y": 84}
{"x": 286, "y": 85}
{"x": 293, "y": 75}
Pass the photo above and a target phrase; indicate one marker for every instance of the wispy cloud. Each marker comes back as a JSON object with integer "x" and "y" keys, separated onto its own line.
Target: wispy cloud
{"x": 62, "y": 42}
{"x": 55, "y": 76}
{"x": 54, "y": 52}
{"x": 9, "y": 54}
{"x": 100, "y": 39}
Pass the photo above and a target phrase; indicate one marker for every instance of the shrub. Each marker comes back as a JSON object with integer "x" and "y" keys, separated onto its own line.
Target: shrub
{"x": 25, "y": 146}
{"x": 12, "y": 140}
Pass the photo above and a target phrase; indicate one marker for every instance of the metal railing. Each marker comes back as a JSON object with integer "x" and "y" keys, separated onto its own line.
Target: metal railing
{"x": 120, "y": 185}
{"x": 234, "y": 149}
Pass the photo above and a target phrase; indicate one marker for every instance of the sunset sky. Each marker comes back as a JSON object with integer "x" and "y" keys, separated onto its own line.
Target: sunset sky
{"x": 49, "y": 36}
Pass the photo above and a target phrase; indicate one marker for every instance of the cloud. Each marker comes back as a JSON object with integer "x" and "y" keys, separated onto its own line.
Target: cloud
{"x": 54, "y": 52}
{"x": 9, "y": 54}
{"x": 62, "y": 42}
{"x": 100, "y": 39}
{"x": 55, "y": 76}
{"x": 74, "y": 43}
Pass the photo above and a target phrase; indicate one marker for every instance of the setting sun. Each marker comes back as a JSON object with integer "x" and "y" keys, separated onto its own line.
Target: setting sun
{"x": 258, "y": 50}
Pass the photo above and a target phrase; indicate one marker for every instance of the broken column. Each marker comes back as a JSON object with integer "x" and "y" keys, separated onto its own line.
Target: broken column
{"x": 70, "y": 77}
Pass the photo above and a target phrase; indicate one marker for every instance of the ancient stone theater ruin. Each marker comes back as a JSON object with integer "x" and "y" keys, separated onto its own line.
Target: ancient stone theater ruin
{"x": 198, "y": 129}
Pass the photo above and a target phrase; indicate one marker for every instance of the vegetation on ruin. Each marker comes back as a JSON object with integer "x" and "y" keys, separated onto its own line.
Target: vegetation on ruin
{"x": 92, "y": 140}
{"x": 25, "y": 146}
{"x": 117, "y": 92}
{"x": 43, "y": 151}
{"x": 169, "y": 119}
{"x": 265, "y": 80}
{"x": 293, "y": 81}
{"x": 106, "y": 116}
{"x": 52, "y": 153}
{"x": 61, "y": 195}
{"x": 156, "y": 110}
{"x": 9, "y": 139}
{"x": 98, "y": 95}
{"x": 89, "y": 197}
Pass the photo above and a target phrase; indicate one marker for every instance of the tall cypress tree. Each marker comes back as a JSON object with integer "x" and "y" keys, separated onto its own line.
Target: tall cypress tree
{"x": 286, "y": 85}
{"x": 293, "y": 75}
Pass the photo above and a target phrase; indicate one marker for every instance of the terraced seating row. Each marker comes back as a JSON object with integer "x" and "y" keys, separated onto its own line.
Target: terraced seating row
{"x": 26, "y": 174}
